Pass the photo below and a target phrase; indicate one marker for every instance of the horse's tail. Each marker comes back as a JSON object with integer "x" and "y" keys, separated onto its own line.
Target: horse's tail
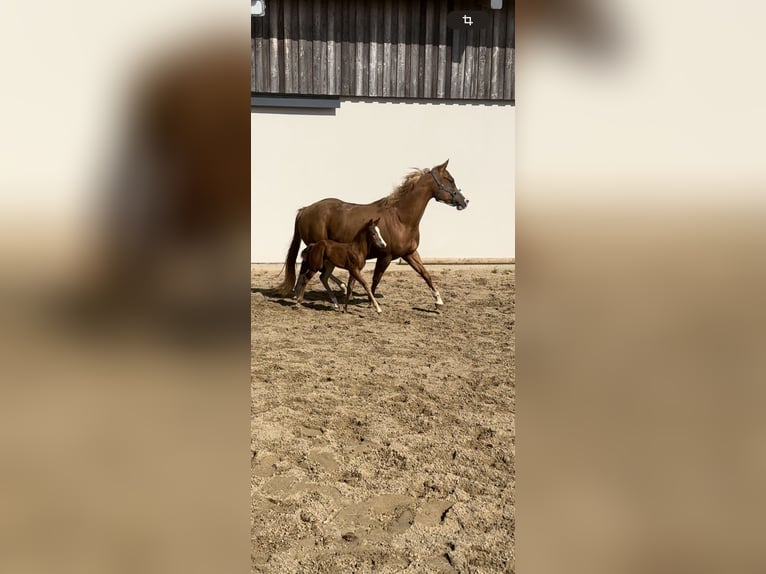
{"x": 292, "y": 254}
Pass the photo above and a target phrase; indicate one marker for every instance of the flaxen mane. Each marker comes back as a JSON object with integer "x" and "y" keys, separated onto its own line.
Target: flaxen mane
{"x": 403, "y": 189}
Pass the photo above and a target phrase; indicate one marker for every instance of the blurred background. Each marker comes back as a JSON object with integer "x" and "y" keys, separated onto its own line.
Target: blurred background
{"x": 640, "y": 270}
{"x": 124, "y": 277}
{"x": 124, "y": 314}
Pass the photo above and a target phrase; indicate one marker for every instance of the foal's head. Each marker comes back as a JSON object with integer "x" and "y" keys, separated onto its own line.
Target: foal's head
{"x": 373, "y": 233}
{"x": 444, "y": 187}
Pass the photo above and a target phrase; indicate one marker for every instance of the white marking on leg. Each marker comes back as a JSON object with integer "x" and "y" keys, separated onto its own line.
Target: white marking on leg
{"x": 377, "y": 230}
{"x": 339, "y": 282}
{"x": 437, "y": 297}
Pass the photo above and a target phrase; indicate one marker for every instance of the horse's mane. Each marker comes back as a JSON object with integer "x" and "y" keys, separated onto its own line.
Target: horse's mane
{"x": 403, "y": 188}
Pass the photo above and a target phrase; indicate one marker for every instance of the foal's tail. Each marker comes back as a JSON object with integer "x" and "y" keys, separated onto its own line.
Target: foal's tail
{"x": 292, "y": 254}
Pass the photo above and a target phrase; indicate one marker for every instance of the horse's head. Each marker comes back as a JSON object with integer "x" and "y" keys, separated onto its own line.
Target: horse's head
{"x": 445, "y": 189}
{"x": 374, "y": 233}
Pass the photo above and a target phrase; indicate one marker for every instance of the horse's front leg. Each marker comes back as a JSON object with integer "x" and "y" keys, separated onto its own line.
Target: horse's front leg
{"x": 380, "y": 267}
{"x": 417, "y": 264}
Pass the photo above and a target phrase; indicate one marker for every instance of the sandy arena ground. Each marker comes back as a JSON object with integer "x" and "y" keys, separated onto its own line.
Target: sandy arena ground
{"x": 385, "y": 443}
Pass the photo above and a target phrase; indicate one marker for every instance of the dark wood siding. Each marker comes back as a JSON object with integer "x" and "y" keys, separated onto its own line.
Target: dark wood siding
{"x": 380, "y": 48}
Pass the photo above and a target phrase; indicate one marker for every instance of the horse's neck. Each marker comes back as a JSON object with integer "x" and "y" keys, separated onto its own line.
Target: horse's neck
{"x": 411, "y": 207}
{"x": 360, "y": 243}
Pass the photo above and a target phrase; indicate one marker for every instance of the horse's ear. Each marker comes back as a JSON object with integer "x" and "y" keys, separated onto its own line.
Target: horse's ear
{"x": 442, "y": 166}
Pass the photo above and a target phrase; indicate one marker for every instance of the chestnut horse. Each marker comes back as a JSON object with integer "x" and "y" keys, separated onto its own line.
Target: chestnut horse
{"x": 399, "y": 216}
{"x": 350, "y": 256}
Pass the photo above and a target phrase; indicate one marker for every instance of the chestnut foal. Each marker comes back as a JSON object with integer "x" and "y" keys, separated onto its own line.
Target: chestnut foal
{"x": 350, "y": 256}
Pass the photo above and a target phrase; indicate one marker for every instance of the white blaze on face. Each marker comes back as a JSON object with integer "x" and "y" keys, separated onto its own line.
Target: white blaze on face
{"x": 380, "y": 237}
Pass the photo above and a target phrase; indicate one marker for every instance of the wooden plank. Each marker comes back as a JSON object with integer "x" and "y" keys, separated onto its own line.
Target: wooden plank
{"x": 291, "y": 47}
{"x": 476, "y": 64}
{"x": 468, "y": 64}
{"x": 442, "y": 82}
{"x": 414, "y": 50}
{"x": 361, "y": 71}
{"x": 266, "y": 65}
{"x": 330, "y": 16}
{"x": 316, "y": 47}
{"x": 497, "y": 56}
{"x": 281, "y": 49}
{"x": 261, "y": 47}
{"x": 266, "y": 50}
{"x": 508, "y": 74}
{"x": 401, "y": 48}
{"x": 482, "y": 81}
{"x": 252, "y": 64}
{"x": 388, "y": 56}
{"x": 456, "y": 79}
{"x": 352, "y": 47}
{"x": 304, "y": 47}
{"x": 330, "y": 45}
{"x": 345, "y": 62}
{"x": 296, "y": 48}
{"x": 510, "y": 91}
{"x": 338, "y": 44}
{"x": 428, "y": 51}
{"x": 323, "y": 40}
{"x": 511, "y": 28}
{"x": 422, "y": 49}
{"x": 274, "y": 63}
{"x": 374, "y": 21}
{"x": 379, "y": 56}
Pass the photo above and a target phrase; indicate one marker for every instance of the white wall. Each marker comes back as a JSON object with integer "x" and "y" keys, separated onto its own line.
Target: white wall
{"x": 363, "y": 151}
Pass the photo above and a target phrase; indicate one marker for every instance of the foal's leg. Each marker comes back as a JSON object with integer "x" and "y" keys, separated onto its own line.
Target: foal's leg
{"x": 323, "y": 279}
{"x": 327, "y": 274}
{"x": 417, "y": 264}
{"x": 357, "y": 274}
{"x": 380, "y": 267}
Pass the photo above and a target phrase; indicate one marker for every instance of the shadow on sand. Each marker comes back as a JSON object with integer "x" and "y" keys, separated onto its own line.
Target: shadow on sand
{"x": 424, "y": 310}
{"x": 317, "y": 300}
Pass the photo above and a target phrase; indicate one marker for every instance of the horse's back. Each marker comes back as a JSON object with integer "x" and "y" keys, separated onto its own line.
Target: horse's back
{"x": 333, "y": 219}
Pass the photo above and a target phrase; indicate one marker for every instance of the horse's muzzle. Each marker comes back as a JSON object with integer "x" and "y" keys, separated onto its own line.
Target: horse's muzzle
{"x": 461, "y": 206}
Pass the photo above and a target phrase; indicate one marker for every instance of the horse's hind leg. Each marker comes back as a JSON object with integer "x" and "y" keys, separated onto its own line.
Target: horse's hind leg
{"x": 355, "y": 274}
{"x": 323, "y": 279}
{"x": 303, "y": 280}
